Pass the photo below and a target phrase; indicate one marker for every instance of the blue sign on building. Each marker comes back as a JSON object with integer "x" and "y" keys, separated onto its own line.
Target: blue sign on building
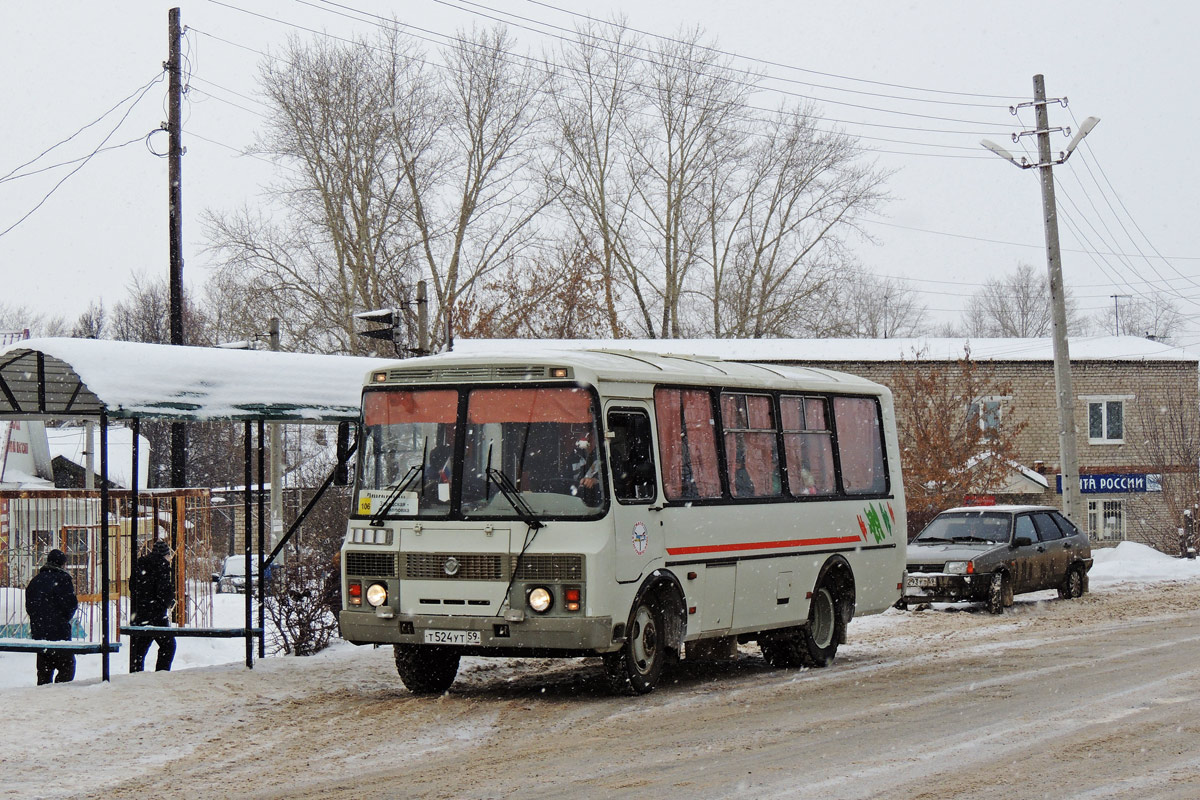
{"x": 1116, "y": 483}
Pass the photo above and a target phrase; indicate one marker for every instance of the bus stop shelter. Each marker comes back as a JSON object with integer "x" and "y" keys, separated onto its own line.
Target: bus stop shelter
{"x": 100, "y": 380}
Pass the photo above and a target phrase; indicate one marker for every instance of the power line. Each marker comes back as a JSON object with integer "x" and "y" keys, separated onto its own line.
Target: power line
{"x": 87, "y": 158}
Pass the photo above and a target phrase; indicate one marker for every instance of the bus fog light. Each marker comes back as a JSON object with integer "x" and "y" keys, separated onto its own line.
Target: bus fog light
{"x": 540, "y": 599}
{"x": 376, "y": 594}
{"x": 571, "y": 598}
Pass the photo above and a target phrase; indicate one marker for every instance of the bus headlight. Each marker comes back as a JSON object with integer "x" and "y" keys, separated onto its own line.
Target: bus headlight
{"x": 376, "y": 594}
{"x": 540, "y": 599}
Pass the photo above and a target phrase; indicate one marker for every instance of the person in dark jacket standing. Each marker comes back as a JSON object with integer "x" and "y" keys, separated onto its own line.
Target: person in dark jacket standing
{"x": 50, "y": 602}
{"x": 153, "y": 597}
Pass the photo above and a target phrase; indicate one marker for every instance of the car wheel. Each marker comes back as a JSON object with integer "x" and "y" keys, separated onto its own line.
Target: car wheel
{"x": 637, "y": 666}
{"x": 999, "y": 593}
{"x": 424, "y": 669}
{"x": 1076, "y": 582}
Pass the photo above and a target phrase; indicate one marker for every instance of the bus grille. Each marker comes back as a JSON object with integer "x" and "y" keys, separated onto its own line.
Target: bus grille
{"x": 382, "y": 565}
{"x": 549, "y": 567}
{"x": 471, "y": 566}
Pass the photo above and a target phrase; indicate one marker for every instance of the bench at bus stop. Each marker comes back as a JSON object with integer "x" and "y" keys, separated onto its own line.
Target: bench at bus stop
{"x": 74, "y": 646}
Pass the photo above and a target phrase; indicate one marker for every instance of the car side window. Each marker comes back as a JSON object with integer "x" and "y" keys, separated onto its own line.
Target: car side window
{"x": 1048, "y": 531}
{"x": 1024, "y": 527}
{"x": 1068, "y": 528}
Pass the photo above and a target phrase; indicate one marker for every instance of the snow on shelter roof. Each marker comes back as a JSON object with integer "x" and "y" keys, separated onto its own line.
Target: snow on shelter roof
{"x": 64, "y": 378}
{"x": 1082, "y": 348}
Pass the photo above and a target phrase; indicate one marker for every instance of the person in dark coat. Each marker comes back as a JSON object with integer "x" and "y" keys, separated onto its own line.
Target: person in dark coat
{"x": 152, "y": 592}
{"x": 50, "y": 602}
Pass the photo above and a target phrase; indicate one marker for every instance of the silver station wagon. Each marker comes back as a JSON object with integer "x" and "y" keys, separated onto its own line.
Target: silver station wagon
{"x": 990, "y": 553}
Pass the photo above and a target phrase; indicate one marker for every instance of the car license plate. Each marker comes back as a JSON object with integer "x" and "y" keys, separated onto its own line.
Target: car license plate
{"x": 452, "y": 637}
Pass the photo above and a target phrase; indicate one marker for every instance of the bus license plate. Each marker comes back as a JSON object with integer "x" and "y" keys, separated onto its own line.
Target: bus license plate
{"x": 452, "y": 637}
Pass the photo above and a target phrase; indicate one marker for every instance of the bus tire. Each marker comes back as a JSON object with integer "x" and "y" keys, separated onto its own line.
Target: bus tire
{"x": 425, "y": 670}
{"x": 637, "y": 666}
{"x": 825, "y": 629}
{"x": 813, "y": 644}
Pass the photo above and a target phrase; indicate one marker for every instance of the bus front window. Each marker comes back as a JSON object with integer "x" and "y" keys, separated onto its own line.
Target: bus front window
{"x": 408, "y": 434}
{"x": 545, "y": 440}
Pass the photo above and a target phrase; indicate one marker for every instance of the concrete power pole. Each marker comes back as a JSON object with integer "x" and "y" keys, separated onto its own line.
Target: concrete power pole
{"x": 175, "y": 223}
{"x": 1064, "y": 396}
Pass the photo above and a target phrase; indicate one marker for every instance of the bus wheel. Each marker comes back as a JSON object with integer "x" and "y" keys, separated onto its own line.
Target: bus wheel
{"x": 425, "y": 670}
{"x": 636, "y": 667}
{"x": 823, "y": 631}
{"x": 813, "y": 644}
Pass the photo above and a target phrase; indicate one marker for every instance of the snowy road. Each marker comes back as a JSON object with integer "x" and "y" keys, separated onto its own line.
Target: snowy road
{"x": 1090, "y": 698}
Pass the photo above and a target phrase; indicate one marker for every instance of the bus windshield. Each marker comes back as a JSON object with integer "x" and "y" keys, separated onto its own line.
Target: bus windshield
{"x": 545, "y": 440}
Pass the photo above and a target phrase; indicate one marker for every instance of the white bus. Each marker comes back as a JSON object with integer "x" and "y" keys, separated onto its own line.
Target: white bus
{"x": 618, "y": 504}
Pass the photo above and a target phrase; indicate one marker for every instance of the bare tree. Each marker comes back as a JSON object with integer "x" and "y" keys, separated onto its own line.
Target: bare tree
{"x": 779, "y": 253}
{"x": 1170, "y": 446}
{"x": 341, "y": 242}
{"x": 20, "y": 317}
{"x": 592, "y": 100}
{"x": 92, "y": 323}
{"x": 396, "y": 173}
{"x": 882, "y": 307}
{"x": 713, "y": 217}
{"x": 473, "y": 182}
{"x": 1153, "y": 316}
{"x": 1017, "y": 305}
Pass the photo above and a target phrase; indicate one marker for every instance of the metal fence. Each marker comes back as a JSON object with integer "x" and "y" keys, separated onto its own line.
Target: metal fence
{"x": 34, "y": 522}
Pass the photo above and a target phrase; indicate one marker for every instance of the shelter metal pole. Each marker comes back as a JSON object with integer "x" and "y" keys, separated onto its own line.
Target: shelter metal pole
{"x": 262, "y": 544}
{"x": 246, "y": 549}
{"x": 136, "y": 511}
{"x": 104, "y": 593}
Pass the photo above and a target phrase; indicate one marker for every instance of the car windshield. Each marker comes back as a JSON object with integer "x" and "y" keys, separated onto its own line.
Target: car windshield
{"x": 419, "y": 459}
{"x": 967, "y": 527}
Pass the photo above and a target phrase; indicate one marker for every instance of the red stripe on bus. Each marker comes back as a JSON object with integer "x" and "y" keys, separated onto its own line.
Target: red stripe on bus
{"x": 721, "y": 548}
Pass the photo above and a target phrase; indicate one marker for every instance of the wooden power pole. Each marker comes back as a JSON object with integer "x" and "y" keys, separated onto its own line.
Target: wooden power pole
{"x": 175, "y": 202}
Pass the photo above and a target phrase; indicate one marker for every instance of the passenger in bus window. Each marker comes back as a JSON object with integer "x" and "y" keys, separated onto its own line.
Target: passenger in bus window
{"x": 585, "y": 472}
{"x": 437, "y": 475}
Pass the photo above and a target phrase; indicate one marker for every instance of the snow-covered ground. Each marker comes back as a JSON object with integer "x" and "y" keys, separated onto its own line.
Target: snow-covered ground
{"x": 1126, "y": 563}
{"x": 192, "y": 706}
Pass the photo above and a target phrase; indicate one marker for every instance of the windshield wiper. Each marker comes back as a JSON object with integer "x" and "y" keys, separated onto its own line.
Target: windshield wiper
{"x": 513, "y": 496}
{"x": 970, "y": 539}
{"x": 409, "y": 478}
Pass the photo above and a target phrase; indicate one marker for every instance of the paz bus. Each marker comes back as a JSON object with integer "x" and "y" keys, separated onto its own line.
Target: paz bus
{"x": 630, "y": 506}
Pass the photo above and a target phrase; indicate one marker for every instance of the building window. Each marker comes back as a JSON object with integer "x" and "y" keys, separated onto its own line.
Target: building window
{"x": 1106, "y": 421}
{"x": 988, "y": 411}
{"x": 1106, "y": 520}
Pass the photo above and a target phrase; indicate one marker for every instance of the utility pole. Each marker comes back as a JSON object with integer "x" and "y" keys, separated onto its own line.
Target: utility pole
{"x": 276, "y": 457}
{"x": 422, "y": 319}
{"x": 1117, "y": 313}
{"x": 1064, "y": 396}
{"x": 175, "y": 225}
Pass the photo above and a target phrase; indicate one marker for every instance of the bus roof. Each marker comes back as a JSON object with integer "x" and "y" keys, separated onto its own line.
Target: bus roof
{"x": 603, "y": 365}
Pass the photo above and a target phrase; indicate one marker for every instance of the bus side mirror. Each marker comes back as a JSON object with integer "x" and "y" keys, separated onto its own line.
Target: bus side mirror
{"x": 341, "y": 474}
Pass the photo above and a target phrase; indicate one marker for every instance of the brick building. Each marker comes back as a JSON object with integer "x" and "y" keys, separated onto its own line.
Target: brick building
{"x": 1136, "y": 405}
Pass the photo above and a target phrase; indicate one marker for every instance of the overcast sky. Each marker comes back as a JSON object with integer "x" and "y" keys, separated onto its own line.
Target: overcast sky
{"x": 922, "y": 83}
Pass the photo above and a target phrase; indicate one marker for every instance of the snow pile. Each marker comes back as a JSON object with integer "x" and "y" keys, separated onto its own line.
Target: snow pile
{"x": 1133, "y": 562}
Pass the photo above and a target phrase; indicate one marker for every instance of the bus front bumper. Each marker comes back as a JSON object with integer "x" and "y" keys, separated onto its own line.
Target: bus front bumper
{"x": 554, "y": 633}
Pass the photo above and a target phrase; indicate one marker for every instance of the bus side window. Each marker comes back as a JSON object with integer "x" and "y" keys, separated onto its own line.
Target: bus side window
{"x": 632, "y": 456}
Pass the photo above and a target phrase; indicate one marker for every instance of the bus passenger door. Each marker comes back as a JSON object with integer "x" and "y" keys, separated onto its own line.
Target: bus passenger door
{"x": 639, "y": 534}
